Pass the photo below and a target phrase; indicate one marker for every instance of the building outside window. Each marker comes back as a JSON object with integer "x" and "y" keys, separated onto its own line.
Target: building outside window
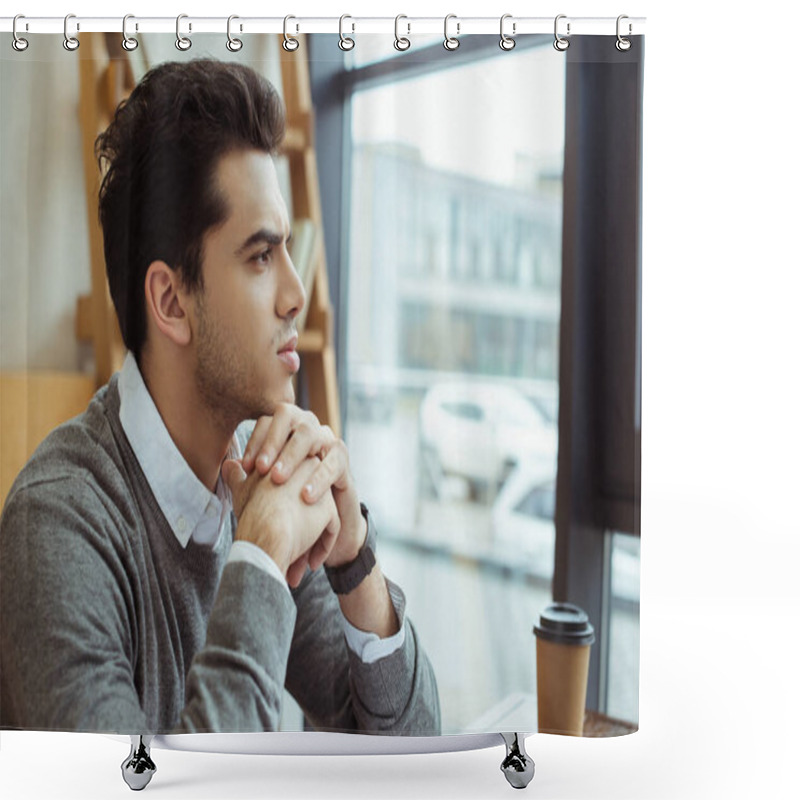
{"x": 453, "y": 302}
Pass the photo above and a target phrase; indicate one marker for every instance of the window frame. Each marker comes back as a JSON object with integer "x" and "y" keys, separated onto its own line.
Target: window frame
{"x": 599, "y": 446}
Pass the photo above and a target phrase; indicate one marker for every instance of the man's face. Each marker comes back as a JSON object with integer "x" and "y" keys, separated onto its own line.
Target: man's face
{"x": 245, "y": 313}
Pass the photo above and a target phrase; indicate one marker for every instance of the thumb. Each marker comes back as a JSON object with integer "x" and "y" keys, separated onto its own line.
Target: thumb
{"x": 233, "y": 474}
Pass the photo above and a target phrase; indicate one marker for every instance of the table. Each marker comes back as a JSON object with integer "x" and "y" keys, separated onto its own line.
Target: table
{"x": 518, "y": 712}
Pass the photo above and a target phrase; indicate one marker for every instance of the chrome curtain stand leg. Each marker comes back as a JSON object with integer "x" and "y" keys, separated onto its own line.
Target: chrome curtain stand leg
{"x": 138, "y": 768}
{"x": 518, "y": 766}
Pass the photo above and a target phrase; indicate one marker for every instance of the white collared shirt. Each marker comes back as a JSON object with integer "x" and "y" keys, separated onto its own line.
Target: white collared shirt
{"x": 193, "y": 512}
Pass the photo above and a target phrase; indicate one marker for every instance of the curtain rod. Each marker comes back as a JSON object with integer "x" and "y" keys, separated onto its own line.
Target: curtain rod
{"x": 406, "y": 25}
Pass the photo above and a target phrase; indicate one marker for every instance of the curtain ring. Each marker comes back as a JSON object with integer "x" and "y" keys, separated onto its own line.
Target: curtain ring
{"x": 622, "y": 44}
{"x": 290, "y": 44}
{"x": 233, "y": 44}
{"x": 560, "y": 43}
{"x": 128, "y": 42}
{"x": 18, "y": 43}
{"x": 70, "y": 42}
{"x": 450, "y": 42}
{"x": 345, "y": 42}
{"x": 507, "y": 42}
{"x": 183, "y": 43}
{"x": 401, "y": 43}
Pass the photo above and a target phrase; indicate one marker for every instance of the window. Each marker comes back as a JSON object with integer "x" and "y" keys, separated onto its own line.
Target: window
{"x": 461, "y": 439}
{"x": 450, "y": 336}
{"x": 623, "y": 657}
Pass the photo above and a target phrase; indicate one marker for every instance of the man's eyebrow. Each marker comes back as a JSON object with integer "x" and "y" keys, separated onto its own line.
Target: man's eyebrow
{"x": 262, "y": 236}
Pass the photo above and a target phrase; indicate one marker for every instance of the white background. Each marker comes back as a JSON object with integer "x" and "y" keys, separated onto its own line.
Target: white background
{"x": 720, "y": 603}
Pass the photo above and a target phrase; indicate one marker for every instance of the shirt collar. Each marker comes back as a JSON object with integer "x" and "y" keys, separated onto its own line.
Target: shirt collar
{"x": 192, "y": 511}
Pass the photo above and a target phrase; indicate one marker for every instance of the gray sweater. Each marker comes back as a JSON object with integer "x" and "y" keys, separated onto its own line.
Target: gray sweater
{"x": 108, "y": 625}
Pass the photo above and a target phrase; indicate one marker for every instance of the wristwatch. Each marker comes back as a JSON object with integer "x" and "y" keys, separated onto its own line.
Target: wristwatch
{"x": 345, "y": 578}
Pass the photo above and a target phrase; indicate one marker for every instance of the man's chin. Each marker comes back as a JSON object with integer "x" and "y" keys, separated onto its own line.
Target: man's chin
{"x": 272, "y": 402}
{"x": 289, "y": 396}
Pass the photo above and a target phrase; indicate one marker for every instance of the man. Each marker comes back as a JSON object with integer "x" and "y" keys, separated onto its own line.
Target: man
{"x": 159, "y": 571}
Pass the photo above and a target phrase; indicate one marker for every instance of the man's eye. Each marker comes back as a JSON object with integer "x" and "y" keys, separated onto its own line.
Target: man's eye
{"x": 263, "y": 257}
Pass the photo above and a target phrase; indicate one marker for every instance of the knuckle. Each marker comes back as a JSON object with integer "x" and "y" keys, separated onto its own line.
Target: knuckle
{"x": 307, "y": 467}
{"x": 304, "y": 428}
{"x": 283, "y": 414}
{"x": 342, "y": 456}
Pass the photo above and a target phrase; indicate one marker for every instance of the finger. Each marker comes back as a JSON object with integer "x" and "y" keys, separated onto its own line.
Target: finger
{"x": 255, "y": 442}
{"x": 334, "y": 523}
{"x": 233, "y": 475}
{"x": 280, "y": 432}
{"x": 307, "y": 439}
{"x": 321, "y": 549}
{"x": 267, "y": 440}
{"x": 345, "y": 477}
{"x": 296, "y": 571}
{"x": 330, "y": 472}
{"x": 235, "y": 479}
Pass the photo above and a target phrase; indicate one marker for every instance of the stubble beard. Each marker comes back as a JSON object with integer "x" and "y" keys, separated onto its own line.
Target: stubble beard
{"x": 223, "y": 378}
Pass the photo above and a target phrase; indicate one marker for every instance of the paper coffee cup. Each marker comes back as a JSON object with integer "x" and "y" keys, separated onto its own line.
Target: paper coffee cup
{"x": 564, "y": 637}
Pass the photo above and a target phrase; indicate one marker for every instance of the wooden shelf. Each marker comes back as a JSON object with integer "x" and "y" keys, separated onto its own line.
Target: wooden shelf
{"x": 32, "y": 403}
{"x": 311, "y": 341}
{"x": 295, "y": 140}
{"x": 316, "y": 329}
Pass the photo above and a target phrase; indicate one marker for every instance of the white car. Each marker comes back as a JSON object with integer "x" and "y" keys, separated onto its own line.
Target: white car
{"x": 480, "y": 431}
{"x": 523, "y": 523}
{"x": 523, "y": 518}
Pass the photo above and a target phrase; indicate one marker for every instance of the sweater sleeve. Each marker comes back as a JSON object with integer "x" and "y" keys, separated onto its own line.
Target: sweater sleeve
{"x": 235, "y": 683}
{"x": 396, "y": 694}
{"x": 70, "y": 635}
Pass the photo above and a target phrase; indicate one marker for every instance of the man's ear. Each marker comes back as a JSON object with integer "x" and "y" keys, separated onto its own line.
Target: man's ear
{"x": 167, "y": 302}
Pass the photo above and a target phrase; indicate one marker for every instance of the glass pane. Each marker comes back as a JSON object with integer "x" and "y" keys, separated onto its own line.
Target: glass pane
{"x": 453, "y": 329}
{"x": 623, "y": 657}
{"x": 373, "y": 48}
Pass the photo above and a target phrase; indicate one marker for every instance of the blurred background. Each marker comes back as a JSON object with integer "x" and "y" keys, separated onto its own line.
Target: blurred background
{"x": 452, "y": 222}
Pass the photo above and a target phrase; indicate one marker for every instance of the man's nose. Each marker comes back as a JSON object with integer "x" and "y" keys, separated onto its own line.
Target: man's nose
{"x": 291, "y": 295}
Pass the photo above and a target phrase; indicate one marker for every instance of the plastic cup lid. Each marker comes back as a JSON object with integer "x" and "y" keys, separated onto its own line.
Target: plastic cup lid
{"x": 564, "y": 623}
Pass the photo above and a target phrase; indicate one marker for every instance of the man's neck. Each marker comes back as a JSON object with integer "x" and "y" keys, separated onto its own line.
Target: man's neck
{"x": 201, "y": 439}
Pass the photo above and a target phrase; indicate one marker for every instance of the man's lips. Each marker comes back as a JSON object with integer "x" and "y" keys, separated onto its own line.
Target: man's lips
{"x": 290, "y": 345}
{"x": 288, "y": 355}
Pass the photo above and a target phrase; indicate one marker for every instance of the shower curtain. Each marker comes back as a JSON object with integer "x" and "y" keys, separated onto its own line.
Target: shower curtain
{"x": 465, "y": 225}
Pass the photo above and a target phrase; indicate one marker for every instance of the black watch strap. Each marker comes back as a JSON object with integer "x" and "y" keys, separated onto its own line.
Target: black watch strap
{"x": 345, "y": 578}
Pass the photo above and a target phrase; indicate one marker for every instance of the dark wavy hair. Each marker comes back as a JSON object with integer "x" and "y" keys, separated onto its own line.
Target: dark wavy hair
{"x": 159, "y": 197}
